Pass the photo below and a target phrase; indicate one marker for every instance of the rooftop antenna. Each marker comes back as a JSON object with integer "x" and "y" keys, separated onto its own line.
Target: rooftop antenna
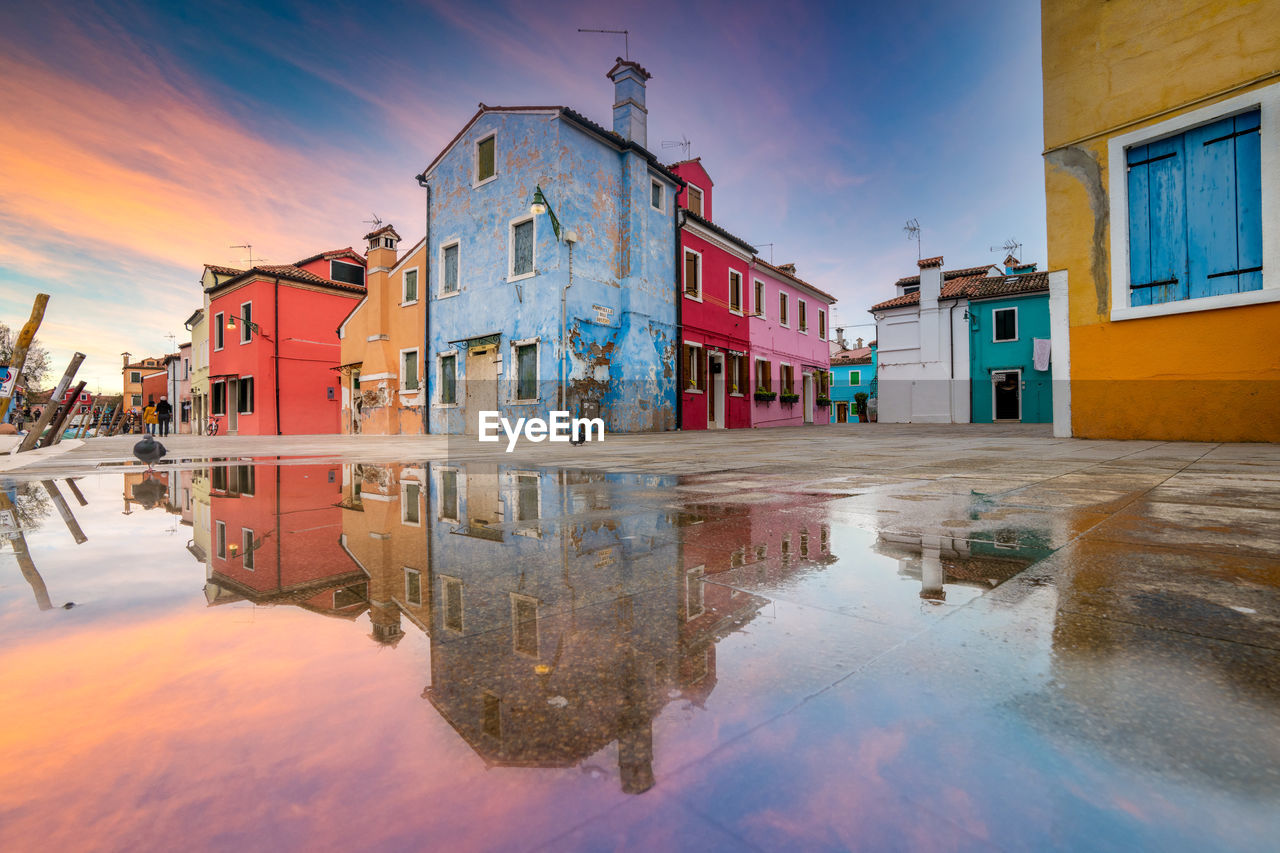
{"x": 762, "y": 245}
{"x": 1010, "y": 246}
{"x": 683, "y": 144}
{"x": 913, "y": 233}
{"x": 248, "y": 246}
{"x": 173, "y": 342}
{"x": 375, "y": 221}
{"x": 626, "y": 39}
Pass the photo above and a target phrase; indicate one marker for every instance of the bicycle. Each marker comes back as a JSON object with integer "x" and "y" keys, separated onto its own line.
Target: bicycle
{"x": 211, "y": 426}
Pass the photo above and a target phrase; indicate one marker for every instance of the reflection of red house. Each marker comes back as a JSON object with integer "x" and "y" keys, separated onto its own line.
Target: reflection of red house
{"x": 275, "y": 538}
{"x": 273, "y": 344}
{"x": 715, "y": 375}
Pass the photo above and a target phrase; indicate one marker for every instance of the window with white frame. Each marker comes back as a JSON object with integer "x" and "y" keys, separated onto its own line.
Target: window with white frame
{"x": 450, "y": 259}
{"x": 822, "y": 325}
{"x": 522, "y": 248}
{"x": 135, "y": 377}
{"x": 764, "y": 375}
{"x": 409, "y": 370}
{"x": 760, "y": 300}
{"x": 244, "y": 396}
{"x": 486, "y": 159}
{"x": 412, "y": 586}
{"x": 855, "y": 377}
{"x": 735, "y": 291}
{"x": 694, "y": 368}
{"x": 409, "y": 285}
{"x": 218, "y": 320}
{"x": 1004, "y": 325}
{"x": 246, "y": 317}
{"x": 693, "y": 199}
{"x": 692, "y": 274}
{"x": 786, "y": 379}
{"x": 783, "y": 318}
{"x": 345, "y": 272}
{"x": 451, "y": 596}
{"x": 1187, "y": 228}
{"x": 220, "y": 539}
{"x": 447, "y": 494}
{"x": 802, "y": 319}
{"x": 655, "y": 195}
{"x": 448, "y": 375}
{"x": 526, "y": 371}
{"x": 246, "y": 545}
{"x": 410, "y": 500}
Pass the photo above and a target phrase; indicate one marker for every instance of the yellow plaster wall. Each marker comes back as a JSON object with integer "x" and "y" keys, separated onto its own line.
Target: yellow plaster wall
{"x": 1109, "y": 68}
{"x": 382, "y": 314}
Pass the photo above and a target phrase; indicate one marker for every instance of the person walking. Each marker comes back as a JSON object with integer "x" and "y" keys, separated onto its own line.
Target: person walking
{"x": 164, "y": 414}
{"x": 149, "y": 417}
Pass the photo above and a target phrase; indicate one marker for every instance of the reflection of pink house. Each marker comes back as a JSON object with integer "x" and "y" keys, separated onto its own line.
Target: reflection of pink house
{"x": 715, "y": 379}
{"x": 790, "y": 356}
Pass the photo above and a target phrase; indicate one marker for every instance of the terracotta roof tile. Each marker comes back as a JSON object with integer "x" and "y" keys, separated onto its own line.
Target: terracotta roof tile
{"x": 330, "y": 255}
{"x": 290, "y": 272}
{"x": 220, "y": 270}
{"x": 795, "y": 278}
{"x": 711, "y": 226}
{"x": 627, "y": 63}
{"x": 976, "y": 287}
{"x": 948, "y": 274}
{"x": 924, "y": 263}
{"x": 859, "y": 355}
{"x": 383, "y": 230}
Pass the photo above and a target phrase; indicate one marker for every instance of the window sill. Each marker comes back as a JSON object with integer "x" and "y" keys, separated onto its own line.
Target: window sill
{"x": 444, "y": 405}
{"x": 736, "y": 394}
{"x": 448, "y": 295}
{"x": 407, "y": 304}
{"x": 692, "y": 391}
{"x": 695, "y": 297}
{"x": 1205, "y": 303}
{"x": 487, "y": 180}
{"x": 526, "y": 401}
{"x": 735, "y": 311}
{"x": 1004, "y": 340}
{"x": 512, "y": 278}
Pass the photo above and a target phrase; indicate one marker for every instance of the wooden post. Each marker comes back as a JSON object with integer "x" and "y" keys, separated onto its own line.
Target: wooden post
{"x": 47, "y": 415}
{"x": 60, "y": 421}
{"x": 18, "y": 360}
{"x": 75, "y": 490}
{"x": 68, "y": 519}
{"x": 116, "y": 415}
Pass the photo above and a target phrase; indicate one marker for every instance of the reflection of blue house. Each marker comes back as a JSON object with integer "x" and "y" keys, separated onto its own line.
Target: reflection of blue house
{"x": 599, "y": 245}
{"x": 853, "y": 371}
{"x": 1007, "y": 315}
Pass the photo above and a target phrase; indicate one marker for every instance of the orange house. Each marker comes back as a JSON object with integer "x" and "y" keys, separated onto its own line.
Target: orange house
{"x": 384, "y": 389}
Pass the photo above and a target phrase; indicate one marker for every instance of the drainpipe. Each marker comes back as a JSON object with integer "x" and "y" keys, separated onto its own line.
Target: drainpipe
{"x": 275, "y": 348}
{"x": 564, "y": 335}
{"x": 951, "y": 357}
{"x": 678, "y": 218}
{"x": 426, "y": 302}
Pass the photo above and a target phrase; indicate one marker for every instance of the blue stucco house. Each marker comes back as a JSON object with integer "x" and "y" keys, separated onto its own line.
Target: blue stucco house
{"x": 853, "y": 371}
{"x": 1007, "y": 315}
{"x": 559, "y": 301}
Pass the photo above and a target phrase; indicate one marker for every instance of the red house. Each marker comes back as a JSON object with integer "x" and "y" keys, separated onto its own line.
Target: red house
{"x": 715, "y": 374}
{"x": 273, "y": 344}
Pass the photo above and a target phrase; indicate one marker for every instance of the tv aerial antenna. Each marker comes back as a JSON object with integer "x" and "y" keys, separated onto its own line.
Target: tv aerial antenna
{"x": 626, "y": 39}
{"x": 762, "y": 245}
{"x": 913, "y": 233}
{"x": 1010, "y": 246}
{"x": 249, "y": 247}
{"x": 376, "y": 221}
{"x": 682, "y": 143}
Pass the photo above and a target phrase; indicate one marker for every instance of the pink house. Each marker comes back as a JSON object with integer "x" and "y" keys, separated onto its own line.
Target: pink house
{"x": 790, "y": 356}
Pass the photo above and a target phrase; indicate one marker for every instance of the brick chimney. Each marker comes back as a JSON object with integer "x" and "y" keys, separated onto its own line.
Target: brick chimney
{"x": 630, "y": 118}
{"x": 930, "y": 280}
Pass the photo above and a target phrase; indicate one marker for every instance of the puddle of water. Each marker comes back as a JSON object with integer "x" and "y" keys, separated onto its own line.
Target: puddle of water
{"x": 488, "y": 656}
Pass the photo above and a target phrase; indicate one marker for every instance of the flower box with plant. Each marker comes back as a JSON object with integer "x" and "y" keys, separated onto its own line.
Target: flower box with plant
{"x": 822, "y": 401}
{"x": 789, "y": 399}
{"x": 766, "y": 396}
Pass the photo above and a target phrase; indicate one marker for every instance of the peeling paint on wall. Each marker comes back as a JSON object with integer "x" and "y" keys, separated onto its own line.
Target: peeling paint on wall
{"x": 1082, "y": 166}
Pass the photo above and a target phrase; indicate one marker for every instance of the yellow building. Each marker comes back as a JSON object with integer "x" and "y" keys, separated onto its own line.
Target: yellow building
{"x": 383, "y": 380}
{"x": 1162, "y": 184}
{"x": 198, "y": 324}
{"x": 131, "y": 374}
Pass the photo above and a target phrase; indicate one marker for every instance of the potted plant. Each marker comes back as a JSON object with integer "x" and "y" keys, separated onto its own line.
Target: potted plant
{"x": 860, "y": 400}
{"x": 789, "y": 399}
{"x": 766, "y": 396}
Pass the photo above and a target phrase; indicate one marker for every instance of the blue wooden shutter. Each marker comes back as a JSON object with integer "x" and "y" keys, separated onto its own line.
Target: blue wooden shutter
{"x": 1224, "y": 195}
{"x": 1158, "y": 258}
{"x": 1249, "y": 199}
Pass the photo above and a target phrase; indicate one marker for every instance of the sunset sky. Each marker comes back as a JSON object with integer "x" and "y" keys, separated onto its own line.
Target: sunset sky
{"x": 142, "y": 140}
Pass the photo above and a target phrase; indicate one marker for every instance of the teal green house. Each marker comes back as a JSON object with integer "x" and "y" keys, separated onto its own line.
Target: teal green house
{"x": 853, "y": 371}
{"x": 1007, "y": 317}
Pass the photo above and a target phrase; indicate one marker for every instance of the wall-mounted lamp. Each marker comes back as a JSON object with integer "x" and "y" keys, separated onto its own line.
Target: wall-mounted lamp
{"x": 253, "y": 327}
{"x": 538, "y": 205}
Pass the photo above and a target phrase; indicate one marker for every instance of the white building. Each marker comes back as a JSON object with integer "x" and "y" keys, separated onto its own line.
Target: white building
{"x": 923, "y": 335}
